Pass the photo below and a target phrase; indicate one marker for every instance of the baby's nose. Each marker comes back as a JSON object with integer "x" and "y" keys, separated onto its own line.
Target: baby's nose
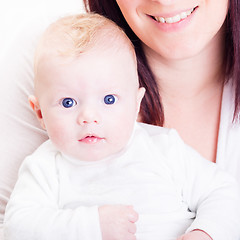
{"x": 88, "y": 115}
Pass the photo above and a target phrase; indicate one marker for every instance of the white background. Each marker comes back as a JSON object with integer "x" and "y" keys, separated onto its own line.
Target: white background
{"x": 14, "y": 14}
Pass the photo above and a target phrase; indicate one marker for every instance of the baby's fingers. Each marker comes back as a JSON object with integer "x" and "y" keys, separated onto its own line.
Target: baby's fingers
{"x": 131, "y": 237}
{"x": 132, "y": 215}
{"x": 132, "y": 228}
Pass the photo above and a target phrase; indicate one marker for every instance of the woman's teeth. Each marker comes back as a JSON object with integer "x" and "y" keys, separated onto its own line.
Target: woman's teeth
{"x": 175, "y": 18}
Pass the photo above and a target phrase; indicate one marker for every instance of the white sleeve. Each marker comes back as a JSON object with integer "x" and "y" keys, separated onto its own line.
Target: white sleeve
{"x": 208, "y": 191}
{"x": 33, "y": 211}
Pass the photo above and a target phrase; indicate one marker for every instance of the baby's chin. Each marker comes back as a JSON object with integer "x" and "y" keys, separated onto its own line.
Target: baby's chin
{"x": 87, "y": 156}
{"x": 92, "y": 151}
{"x": 96, "y": 156}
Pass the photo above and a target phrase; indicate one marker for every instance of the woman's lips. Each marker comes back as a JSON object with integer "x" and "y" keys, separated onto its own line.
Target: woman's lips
{"x": 175, "y": 18}
{"x": 176, "y": 23}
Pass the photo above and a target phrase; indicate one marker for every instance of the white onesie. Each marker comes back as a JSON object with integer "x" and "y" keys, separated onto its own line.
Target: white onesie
{"x": 172, "y": 188}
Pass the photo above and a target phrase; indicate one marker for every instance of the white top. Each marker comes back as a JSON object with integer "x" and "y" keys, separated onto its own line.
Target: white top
{"x": 228, "y": 150}
{"x": 166, "y": 182}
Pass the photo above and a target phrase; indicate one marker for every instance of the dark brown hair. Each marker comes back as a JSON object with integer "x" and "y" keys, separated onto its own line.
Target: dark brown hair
{"x": 151, "y": 108}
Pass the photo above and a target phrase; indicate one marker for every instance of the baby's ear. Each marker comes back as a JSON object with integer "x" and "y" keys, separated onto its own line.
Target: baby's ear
{"x": 34, "y": 104}
{"x": 140, "y": 95}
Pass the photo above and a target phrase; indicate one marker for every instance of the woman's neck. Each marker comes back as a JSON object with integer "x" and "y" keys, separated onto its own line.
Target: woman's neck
{"x": 191, "y": 92}
{"x": 187, "y": 78}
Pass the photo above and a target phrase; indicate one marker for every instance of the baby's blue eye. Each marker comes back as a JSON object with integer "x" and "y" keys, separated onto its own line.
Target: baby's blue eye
{"x": 110, "y": 99}
{"x": 68, "y": 102}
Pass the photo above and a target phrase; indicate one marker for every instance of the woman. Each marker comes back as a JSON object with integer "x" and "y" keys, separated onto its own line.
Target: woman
{"x": 188, "y": 59}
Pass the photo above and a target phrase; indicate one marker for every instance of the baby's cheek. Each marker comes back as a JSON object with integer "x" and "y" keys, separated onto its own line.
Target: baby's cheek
{"x": 121, "y": 138}
{"x": 56, "y": 132}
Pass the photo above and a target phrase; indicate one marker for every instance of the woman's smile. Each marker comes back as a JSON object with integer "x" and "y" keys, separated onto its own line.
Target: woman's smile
{"x": 173, "y": 18}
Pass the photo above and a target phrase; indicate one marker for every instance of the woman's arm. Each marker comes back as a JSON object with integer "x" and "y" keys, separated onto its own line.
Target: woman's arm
{"x": 210, "y": 192}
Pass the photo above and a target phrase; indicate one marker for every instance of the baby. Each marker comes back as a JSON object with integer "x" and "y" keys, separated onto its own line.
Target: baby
{"x": 102, "y": 175}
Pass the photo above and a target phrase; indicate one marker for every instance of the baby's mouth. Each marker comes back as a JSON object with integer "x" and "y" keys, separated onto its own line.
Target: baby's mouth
{"x": 90, "y": 139}
{"x": 174, "y": 19}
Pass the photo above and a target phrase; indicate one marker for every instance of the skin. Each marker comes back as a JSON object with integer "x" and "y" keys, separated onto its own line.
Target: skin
{"x": 117, "y": 222}
{"x": 180, "y": 40}
{"x": 187, "y": 53}
{"x": 196, "y": 235}
{"x": 87, "y": 130}
{"x": 94, "y": 75}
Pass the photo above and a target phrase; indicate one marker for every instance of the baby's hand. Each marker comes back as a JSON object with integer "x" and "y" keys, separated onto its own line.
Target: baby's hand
{"x": 117, "y": 222}
{"x": 195, "y": 235}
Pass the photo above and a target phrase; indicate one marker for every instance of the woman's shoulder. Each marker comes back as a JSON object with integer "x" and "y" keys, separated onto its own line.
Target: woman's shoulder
{"x": 228, "y": 151}
{"x": 164, "y": 138}
{"x": 152, "y": 129}
{"x": 227, "y": 120}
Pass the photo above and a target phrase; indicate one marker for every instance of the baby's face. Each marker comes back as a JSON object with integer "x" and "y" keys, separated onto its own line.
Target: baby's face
{"x": 89, "y": 104}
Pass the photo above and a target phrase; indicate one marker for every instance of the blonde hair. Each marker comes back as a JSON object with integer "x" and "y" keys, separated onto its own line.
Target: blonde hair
{"x": 72, "y": 35}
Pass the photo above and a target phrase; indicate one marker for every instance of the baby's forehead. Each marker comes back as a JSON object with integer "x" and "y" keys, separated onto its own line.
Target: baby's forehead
{"x": 62, "y": 51}
{"x": 108, "y": 39}
{"x": 108, "y": 64}
{"x": 70, "y": 39}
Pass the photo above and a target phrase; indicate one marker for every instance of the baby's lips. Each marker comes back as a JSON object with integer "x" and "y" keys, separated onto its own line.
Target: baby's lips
{"x": 90, "y": 139}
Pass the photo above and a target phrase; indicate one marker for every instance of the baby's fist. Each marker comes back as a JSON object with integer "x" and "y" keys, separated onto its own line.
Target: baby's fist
{"x": 117, "y": 222}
